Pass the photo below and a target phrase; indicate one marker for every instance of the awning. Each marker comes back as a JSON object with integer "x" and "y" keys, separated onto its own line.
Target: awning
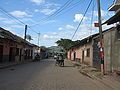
{"x": 113, "y": 19}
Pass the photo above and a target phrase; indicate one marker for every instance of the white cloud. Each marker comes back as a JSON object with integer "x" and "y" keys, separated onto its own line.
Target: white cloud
{"x": 70, "y": 27}
{"x": 38, "y": 2}
{"x": 50, "y": 36}
{"x": 19, "y": 14}
{"x": 48, "y": 11}
{"x": 54, "y": 33}
{"x": 67, "y": 28}
{"x": 1, "y": 18}
{"x": 78, "y": 17}
{"x": 49, "y": 8}
{"x": 45, "y": 36}
{"x": 103, "y": 13}
{"x": 60, "y": 28}
{"x": 36, "y": 10}
{"x": 7, "y": 21}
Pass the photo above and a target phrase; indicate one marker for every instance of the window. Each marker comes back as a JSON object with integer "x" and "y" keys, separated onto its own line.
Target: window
{"x": 88, "y": 52}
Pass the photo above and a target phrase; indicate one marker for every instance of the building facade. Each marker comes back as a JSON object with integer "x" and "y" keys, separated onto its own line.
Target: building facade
{"x": 14, "y": 48}
{"x": 88, "y": 50}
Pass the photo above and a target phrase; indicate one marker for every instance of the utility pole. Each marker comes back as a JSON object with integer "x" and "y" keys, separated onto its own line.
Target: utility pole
{"x": 38, "y": 43}
{"x": 101, "y": 38}
{"x": 38, "y": 39}
{"x": 24, "y": 54}
{"x": 25, "y": 32}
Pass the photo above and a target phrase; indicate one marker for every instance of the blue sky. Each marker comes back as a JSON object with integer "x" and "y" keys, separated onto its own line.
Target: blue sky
{"x": 34, "y": 13}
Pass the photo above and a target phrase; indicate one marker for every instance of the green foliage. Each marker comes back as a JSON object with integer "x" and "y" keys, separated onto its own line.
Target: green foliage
{"x": 66, "y": 43}
{"x": 43, "y": 48}
{"x": 28, "y": 37}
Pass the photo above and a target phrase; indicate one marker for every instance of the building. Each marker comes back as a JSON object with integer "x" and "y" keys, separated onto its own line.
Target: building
{"x": 87, "y": 51}
{"x": 116, "y": 8}
{"x": 13, "y": 48}
{"x": 84, "y": 51}
{"x": 113, "y": 42}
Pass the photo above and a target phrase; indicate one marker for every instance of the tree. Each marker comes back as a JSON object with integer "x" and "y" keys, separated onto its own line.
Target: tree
{"x": 43, "y": 48}
{"x": 28, "y": 37}
{"x": 65, "y": 43}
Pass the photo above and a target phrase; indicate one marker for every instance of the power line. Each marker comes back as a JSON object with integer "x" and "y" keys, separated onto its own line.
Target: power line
{"x": 20, "y": 22}
{"x": 73, "y": 6}
{"x": 32, "y": 29}
{"x": 92, "y": 17}
{"x": 63, "y": 8}
{"x": 12, "y": 16}
{"x": 65, "y": 5}
{"x": 81, "y": 19}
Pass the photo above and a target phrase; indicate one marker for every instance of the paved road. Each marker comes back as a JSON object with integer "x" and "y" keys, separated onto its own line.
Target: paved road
{"x": 44, "y": 75}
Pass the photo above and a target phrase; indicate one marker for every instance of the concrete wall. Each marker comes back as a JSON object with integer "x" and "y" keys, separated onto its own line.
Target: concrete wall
{"x": 117, "y": 1}
{"x": 112, "y": 50}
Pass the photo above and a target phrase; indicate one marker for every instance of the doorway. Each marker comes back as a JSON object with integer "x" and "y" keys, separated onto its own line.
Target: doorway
{"x": 74, "y": 56}
{"x": 83, "y": 56}
{"x": 20, "y": 59}
{"x": 11, "y": 54}
{"x": 1, "y": 53}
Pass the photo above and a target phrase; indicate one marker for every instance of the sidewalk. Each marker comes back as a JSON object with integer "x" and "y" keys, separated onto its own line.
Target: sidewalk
{"x": 7, "y": 64}
{"x": 10, "y": 64}
{"x": 110, "y": 79}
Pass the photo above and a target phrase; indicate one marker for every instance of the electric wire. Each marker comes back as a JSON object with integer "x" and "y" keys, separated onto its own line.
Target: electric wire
{"x": 64, "y": 6}
{"x": 81, "y": 19}
{"x": 11, "y": 16}
{"x": 92, "y": 18}
{"x": 67, "y": 5}
{"x": 71, "y": 7}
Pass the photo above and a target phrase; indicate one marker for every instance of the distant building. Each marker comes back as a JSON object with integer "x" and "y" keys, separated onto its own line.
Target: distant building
{"x": 55, "y": 49}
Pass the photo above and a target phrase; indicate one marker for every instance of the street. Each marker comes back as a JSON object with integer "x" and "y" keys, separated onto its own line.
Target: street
{"x": 44, "y": 75}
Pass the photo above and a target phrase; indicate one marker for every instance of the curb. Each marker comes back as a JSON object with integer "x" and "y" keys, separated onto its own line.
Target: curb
{"x": 89, "y": 75}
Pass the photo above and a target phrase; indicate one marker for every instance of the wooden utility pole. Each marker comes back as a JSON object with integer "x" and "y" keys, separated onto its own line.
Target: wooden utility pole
{"x": 101, "y": 38}
{"x": 25, "y": 32}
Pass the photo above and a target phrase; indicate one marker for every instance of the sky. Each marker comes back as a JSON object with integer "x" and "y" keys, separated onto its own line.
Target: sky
{"x": 39, "y": 16}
